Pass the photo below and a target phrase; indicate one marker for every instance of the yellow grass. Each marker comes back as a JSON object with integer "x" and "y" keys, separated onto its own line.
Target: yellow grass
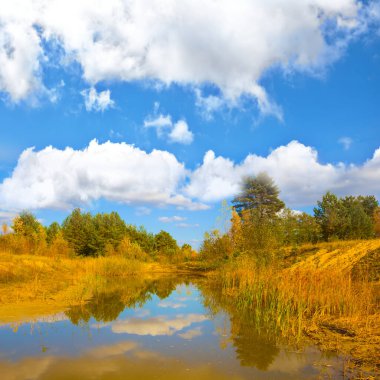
{"x": 316, "y": 296}
{"x": 340, "y": 256}
{"x": 25, "y": 278}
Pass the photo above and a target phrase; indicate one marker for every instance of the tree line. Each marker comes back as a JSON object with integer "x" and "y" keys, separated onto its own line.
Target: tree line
{"x": 84, "y": 234}
{"x": 261, "y": 223}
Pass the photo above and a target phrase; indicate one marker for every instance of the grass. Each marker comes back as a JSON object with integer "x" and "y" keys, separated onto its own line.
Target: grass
{"x": 33, "y": 285}
{"x": 328, "y": 292}
{"x": 315, "y": 294}
{"x": 38, "y": 284}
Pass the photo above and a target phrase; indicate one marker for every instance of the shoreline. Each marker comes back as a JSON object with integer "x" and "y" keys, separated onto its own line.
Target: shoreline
{"x": 55, "y": 284}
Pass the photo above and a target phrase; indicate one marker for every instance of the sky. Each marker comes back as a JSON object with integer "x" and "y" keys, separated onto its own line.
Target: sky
{"x": 158, "y": 108}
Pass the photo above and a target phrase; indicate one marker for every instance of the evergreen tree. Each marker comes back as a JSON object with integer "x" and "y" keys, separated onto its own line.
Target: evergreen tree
{"x": 79, "y": 231}
{"x": 165, "y": 244}
{"x": 259, "y": 196}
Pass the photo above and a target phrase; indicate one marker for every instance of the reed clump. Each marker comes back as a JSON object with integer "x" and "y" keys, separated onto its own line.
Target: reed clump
{"x": 329, "y": 293}
{"x": 296, "y": 297}
{"x": 30, "y": 277}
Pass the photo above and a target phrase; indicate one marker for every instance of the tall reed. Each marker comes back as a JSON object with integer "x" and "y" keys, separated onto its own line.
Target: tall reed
{"x": 290, "y": 299}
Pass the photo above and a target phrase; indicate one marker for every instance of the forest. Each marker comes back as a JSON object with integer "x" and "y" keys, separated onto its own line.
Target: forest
{"x": 260, "y": 225}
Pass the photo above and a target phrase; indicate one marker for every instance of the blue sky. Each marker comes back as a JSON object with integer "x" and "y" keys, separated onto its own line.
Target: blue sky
{"x": 181, "y": 102}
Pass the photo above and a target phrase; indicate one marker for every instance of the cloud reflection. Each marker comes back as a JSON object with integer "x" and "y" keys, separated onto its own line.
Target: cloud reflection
{"x": 190, "y": 334}
{"x": 161, "y": 325}
{"x": 171, "y": 304}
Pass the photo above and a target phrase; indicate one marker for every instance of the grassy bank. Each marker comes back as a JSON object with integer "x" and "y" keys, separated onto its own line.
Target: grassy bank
{"x": 35, "y": 285}
{"x": 328, "y": 292}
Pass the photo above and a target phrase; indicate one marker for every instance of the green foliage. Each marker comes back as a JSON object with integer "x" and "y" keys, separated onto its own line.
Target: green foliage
{"x": 29, "y": 232}
{"x": 298, "y": 228}
{"x": 165, "y": 245}
{"x": 52, "y": 232}
{"x": 258, "y": 194}
{"x": 79, "y": 231}
{"x": 93, "y": 235}
{"x": 258, "y": 206}
{"x": 346, "y": 218}
{"x": 109, "y": 229}
{"x": 26, "y": 224}
{"x": 141, "y": 237}
{"x": 216, "y": 247}
{"x": 261, "y": 237}
{"x": 260, "y": 224}
{"x": 83, "y": 234}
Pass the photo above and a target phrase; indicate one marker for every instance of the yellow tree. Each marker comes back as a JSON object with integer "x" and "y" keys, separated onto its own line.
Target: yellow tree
{"x": 236, "y": 232}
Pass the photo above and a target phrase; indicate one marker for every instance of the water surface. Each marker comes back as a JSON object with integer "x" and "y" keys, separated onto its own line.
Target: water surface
{"x": 166, "y": 328}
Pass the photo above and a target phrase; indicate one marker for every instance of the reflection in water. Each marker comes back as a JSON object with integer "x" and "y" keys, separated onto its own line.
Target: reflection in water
{"x": 140, "y": 364}
{"x": 256, "y": 345}
{"x": 112, "y": 298}
{"x": 147, "y": 330}
{"x": 103, "y": 307}
{"x": 157, "y": 325}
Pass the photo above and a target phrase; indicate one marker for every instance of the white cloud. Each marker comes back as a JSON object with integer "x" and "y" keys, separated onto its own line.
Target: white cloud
{"x": 187, "y": 225}
{"x": 97, "y": 101}
{"x": 181, "y": 133}
{"x": 53, "y": 178}
{"x": 208, "y": 105}
{"x": 175, "y": 132}
{"x": 159, "y": 123}
{"x": 190, "y": 42}
{"x": 346, "y": 142}
{"x": 20, "y": 51}
{"x": 170, "y": 219}
{"x": 294, "y": 167}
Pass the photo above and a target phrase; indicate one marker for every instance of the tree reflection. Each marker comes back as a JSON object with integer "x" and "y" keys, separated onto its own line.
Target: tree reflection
{"x": 255, "y": 342}
{"x": 111, "y": 298}
{"x": 103, "y": 307}
{"x": 255, "y": 346}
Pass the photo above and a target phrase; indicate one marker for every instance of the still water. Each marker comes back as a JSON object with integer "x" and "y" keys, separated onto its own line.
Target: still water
{"x": 165, "y": 328}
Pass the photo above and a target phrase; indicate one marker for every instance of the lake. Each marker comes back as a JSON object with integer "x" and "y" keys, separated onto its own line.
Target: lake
{"x": 155, "y": 328}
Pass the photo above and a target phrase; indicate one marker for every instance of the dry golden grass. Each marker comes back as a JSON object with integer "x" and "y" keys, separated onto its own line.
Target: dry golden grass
{"x": 25, "y": 278}
{"x": 313, "y": 296}
{"x": 340, "y": 256}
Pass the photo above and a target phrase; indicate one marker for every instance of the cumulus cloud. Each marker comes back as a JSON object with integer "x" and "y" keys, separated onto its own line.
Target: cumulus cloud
{"x": 294, "y": 167}
{"x": 97, "y": 101}
{"x": 53, "y": 178}
{"x": 190, "y": 42}
{"x": 170, "y": 219}
{"x": 175, "y": 132}
{"x": 181, "y": 133}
